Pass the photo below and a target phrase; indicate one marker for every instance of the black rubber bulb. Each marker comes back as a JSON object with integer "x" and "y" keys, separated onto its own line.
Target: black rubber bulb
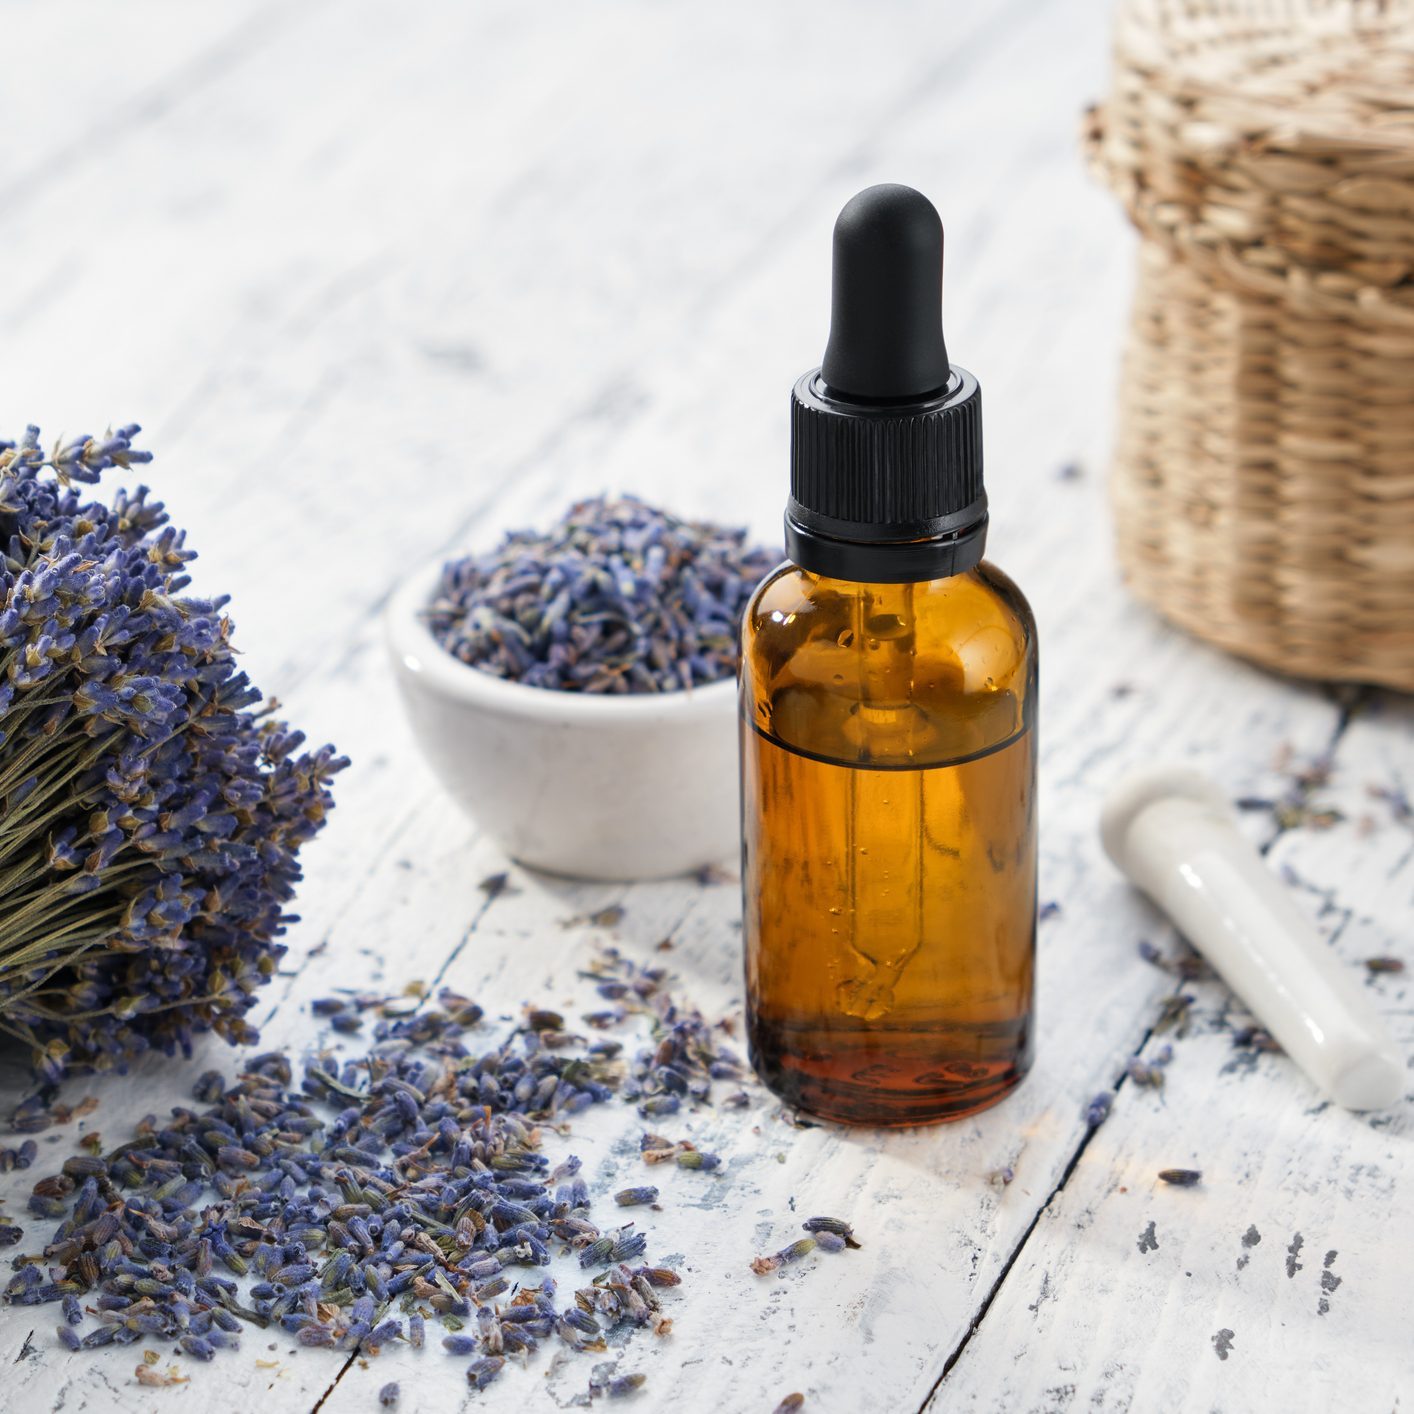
{"x": 886, "y": 325}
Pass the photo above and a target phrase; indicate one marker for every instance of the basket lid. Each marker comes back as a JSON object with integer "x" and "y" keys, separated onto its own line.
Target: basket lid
{"x": 1272, "y": 142}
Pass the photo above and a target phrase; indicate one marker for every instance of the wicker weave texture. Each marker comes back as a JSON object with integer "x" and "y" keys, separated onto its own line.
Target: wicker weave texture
{"x": 1264, "y": 475}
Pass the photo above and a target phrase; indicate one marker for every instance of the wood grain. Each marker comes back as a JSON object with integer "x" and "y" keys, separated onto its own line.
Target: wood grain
{"x": 389, "y": 281}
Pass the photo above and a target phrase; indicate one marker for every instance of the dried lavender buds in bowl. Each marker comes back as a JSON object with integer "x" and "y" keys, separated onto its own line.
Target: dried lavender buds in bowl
{"x": 575, "y": 690}
{"x": 617, "y": 597}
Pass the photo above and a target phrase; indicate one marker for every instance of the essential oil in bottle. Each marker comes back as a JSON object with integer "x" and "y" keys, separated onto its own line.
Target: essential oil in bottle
{"x": 888, "y": 738}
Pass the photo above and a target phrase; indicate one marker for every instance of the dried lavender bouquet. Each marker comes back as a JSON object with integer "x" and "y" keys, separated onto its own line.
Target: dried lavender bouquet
{"x": 150, "y": 820}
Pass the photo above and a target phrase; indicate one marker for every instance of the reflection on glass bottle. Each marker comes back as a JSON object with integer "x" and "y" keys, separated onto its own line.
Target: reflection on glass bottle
{"x": 888, "y": 699}
{"x": 889, "y": 845}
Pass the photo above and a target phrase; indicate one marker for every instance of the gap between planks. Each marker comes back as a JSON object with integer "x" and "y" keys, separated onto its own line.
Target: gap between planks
{"x": 1347, "y": 711}
{"x": 500, "y": 888}
{"x": 1305, "y": 789}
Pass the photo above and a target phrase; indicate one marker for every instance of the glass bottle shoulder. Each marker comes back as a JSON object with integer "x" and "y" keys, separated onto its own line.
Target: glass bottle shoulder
{"x": 896, "y": 674}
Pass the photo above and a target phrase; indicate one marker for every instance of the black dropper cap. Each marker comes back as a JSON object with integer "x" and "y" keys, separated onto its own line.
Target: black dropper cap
{"x": 886, "y": 435}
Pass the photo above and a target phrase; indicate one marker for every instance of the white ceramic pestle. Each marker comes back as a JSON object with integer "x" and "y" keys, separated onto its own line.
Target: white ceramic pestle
{"x": 1172, "y": 832}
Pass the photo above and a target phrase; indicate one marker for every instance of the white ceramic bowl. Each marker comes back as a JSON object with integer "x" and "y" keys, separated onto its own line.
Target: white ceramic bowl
{"x": 639, "y": 786}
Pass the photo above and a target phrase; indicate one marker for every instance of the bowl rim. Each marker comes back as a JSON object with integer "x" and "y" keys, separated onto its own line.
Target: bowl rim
{"x": 419, "y": 656}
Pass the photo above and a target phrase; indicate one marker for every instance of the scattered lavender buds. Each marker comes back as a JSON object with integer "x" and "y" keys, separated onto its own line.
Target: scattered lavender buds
{"x": 1181, "y": 1178}
{"x": 836, "y": 1226}
{"x": 790, "y": 1404}
{"x": 1255, "y": 1038}
{"x": 481, "y": 1372}
{"x": 388, "y": 1395}
{"x": 619, "y": 1386}
{"x": 616, "y": 597}
{"x": 150, "y": 815}
{"x": 1294, "y": 810}
{"x": 636, "y": 1197}
{"x": 20, "y": 1158}
{"x": 801, "y": 1247}
{"x": 1175, "y": 1014}
{"x": 1098, "y": 1110}
{"x": 1187, "y": 965}
{"x": 687, "y": 1056}
{"x": 1150, "y": 1073}
{"x": 826, "y": 1235}
{"x": 410, "y": 1178}
{"x": 377, "y": 1193}
{"x": 696, "y": 1159}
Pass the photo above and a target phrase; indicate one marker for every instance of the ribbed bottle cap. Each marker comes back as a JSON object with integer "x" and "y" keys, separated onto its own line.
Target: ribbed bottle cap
{"x": 886, "y": 436}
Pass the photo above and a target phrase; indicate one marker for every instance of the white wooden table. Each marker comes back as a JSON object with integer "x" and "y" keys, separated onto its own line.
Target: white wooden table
{"x": 382, "y": 281}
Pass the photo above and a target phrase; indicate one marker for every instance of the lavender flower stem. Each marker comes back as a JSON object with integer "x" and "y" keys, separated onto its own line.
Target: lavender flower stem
{"x": 25, "y": 958}
{"x": 150, "y": 1010}
{"x": 48, "y": 894}
{"x": 37, "y": 798}
{"x": 21, "y": 767}
{"x": 151, "y": 811}
{"x": 76, "y": 951}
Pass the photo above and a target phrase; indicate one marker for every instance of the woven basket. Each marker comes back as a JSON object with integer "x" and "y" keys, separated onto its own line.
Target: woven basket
{"x": 1264, "y": 476}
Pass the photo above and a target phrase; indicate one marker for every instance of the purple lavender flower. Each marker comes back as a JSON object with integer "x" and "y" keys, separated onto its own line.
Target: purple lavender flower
{"x": 636, "y": 1197}
{"x": 150, "y": 818}
{"x": 616, "y": 597}
{"x": 411, "y": 1174}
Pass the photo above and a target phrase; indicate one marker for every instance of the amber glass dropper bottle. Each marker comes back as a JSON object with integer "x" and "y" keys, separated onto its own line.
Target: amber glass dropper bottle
{"x": 888, "y": 699}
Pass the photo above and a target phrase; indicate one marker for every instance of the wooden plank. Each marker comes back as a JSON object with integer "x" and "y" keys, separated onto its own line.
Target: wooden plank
{"x": 1274, "y": 1283}
{"x": 341, "y": 338}
{"x": 356, "y": 283}
{"x": 70, "y": 100}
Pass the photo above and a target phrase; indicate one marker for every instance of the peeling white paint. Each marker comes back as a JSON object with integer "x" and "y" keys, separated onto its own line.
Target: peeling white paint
{"x": 347, "y": 250}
